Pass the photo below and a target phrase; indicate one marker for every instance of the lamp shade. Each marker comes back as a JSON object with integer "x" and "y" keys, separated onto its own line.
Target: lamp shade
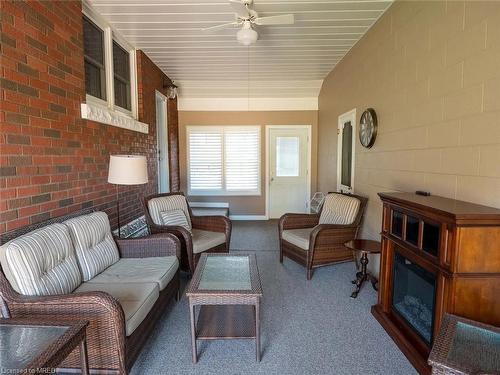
{"x": 127, "y": 170}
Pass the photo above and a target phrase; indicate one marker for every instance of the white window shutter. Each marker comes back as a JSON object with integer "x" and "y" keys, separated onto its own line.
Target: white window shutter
{"x": 223, "y": 160}
{"x": 205, "y": 160}
{"x": 242, "y": 159}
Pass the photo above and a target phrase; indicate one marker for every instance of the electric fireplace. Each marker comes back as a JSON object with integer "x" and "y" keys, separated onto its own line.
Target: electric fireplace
{"x": 438, "y": 256}
{"x": 413, "y": 293}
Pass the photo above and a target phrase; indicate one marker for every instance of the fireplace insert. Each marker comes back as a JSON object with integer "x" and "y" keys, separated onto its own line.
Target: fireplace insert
{"x": 413, "y": 294}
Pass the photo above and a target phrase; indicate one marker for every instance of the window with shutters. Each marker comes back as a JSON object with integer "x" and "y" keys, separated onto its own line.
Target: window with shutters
{"x": 109, "y": 66}
{"x": 223, "y": 160}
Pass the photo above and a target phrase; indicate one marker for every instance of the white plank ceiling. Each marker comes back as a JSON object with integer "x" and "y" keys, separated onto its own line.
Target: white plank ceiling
{"x": 286, "y": 62}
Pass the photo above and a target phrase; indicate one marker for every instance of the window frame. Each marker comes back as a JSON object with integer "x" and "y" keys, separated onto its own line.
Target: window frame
{"x": 224, "y": 191}
{"x": 111, "y": 36}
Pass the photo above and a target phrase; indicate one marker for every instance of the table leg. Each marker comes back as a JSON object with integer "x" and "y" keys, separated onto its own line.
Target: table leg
{"x": 193, "y": 332}
{"x": 361, "y": 276}
{"x": 84, "y": 359}
{"x": 257, "y": 330}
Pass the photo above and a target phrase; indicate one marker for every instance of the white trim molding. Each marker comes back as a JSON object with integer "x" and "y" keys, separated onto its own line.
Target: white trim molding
{"x": 248, "y": 104}
{"x": 98, "y": 113}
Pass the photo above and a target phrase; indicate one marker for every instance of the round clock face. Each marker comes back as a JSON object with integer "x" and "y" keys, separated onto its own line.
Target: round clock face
{"x": 368, "y": 128}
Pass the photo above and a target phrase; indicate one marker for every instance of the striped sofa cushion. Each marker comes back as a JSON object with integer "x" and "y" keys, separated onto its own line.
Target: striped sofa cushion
{"x": 175, "y": 217}
{"x": 95, "y": 248}
{"x": 42, "y": 262}
{"x": 171, "y": 202}
{"x": 339, "y": 209}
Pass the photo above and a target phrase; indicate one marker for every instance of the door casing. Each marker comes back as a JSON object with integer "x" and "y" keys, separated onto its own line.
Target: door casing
{"x": 162, "y": 143}
{"x": 343, "y": 118}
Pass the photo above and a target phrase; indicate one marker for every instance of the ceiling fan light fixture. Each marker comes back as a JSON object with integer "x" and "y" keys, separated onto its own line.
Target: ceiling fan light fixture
{"x": 247, "y": 36}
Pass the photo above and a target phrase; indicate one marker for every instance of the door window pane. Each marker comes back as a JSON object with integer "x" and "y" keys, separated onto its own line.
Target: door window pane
{"x": 121, "y": 70}
{"x": 346, "y": 154}
{"x": 287, "y": 156}
{"x": 93, "y": 43}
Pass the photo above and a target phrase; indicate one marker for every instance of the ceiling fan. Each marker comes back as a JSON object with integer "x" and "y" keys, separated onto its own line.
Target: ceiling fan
{"x": 246, "y": 17}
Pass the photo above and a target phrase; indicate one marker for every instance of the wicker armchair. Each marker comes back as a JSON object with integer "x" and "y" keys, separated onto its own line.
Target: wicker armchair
{"x": 109, "y": 349}
{"x": 304, "y": 240}
{"x": 192, "y": 243}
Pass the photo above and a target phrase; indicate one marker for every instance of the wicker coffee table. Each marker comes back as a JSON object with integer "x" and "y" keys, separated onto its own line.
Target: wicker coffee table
{"x": 227, "y": 290}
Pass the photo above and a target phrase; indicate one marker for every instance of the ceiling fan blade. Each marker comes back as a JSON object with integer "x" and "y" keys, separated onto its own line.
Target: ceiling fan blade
{"x": 285, "y": 19}
{"x": 240, "y": 8}
{"x": 220, "y": 27}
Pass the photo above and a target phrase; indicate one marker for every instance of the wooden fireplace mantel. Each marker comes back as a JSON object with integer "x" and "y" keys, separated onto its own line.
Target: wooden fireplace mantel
{"x": 465, "y": 262}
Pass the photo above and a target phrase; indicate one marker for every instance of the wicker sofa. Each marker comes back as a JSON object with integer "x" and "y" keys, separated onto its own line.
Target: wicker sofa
{"x": 72, "y": 268}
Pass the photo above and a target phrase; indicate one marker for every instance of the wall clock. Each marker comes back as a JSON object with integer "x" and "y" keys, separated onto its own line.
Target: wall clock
{"x": 368, "y": 128}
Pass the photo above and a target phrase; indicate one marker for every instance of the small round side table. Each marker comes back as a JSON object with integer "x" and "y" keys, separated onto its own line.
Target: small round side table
{"x": 364, "y": 247}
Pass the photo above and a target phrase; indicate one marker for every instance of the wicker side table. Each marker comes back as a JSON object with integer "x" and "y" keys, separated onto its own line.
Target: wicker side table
{"x": 465, "y": 347}
{"x": 35, "y": 346}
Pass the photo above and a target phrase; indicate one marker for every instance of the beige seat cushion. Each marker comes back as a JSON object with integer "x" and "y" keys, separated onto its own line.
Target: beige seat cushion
{"x": 298, "y": 237}
{"x": 339, "y": 209}
{"x": 204, "y": 240}
{"x": 159, "y": 270}
{"x": 42, "y": 262}
{"x": 136, "y": 299}
{"x": 95, "y": 248}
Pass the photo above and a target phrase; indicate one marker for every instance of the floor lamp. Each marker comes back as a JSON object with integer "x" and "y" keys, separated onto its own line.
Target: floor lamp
{"x": 126, "y": 170}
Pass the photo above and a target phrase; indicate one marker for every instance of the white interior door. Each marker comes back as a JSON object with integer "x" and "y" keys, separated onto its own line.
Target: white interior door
{"x": 346, "y": 140}
{"x": 162, "y": 143}
{"x": 288, "y": 171}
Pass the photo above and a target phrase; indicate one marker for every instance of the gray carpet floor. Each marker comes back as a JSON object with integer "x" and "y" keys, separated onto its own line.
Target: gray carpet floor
{"x": 308, "y": 327}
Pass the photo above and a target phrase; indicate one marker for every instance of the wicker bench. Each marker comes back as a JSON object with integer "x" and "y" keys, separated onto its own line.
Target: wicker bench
{"x": 120, "y": 322}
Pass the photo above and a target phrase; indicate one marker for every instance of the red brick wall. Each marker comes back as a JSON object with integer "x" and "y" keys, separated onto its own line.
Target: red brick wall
{"x": 151, "y": 78}
{"x": 51, "y": 161}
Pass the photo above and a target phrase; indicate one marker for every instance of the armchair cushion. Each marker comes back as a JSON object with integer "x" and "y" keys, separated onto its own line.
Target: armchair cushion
{"x": 42, "y": 262}
{"x": 176, "y": 218}
{"x": 204, "y": 240}
{"x": 298, "y": 237}
{"x": 159, "y": 270}
{"x": 136, "y": 299}
{"x": 167, "y": 203}
{"x": 95, "y": 248}
{"x": 339, "y": 209}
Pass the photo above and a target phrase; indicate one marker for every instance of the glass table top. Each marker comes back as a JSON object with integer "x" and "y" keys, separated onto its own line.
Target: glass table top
{"x": 475, "y": 348}
{"x": 226, "y": 273}
{"x": 21, "y": 344}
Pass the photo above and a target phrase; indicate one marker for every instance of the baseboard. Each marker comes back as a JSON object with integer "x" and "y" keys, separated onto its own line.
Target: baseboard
{"x": 248, "y": 217}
